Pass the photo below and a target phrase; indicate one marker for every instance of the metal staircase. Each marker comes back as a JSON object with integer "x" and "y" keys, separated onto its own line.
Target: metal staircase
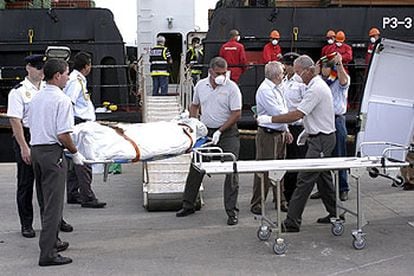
{"x": 164, "y": 180}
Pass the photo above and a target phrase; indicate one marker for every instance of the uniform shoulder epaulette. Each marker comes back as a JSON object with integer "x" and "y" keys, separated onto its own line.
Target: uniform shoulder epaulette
{"x": 17, "y": 86}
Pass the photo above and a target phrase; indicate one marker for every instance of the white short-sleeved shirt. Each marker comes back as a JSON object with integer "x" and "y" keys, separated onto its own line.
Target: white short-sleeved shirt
{"x": 293, "y": 91}
{"x": 76, "y": 89}
{"x": 19, "y": 99}
{"x": 340, "y": 96}
{"x": 317, "y": 105}
{"x": 217, "y": 104}
{"x": 270, "y": 101}
{"x": 50, "y": 114}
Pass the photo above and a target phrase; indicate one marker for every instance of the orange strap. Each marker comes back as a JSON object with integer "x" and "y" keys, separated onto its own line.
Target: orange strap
{"x": 121, "y": 132}
{"x": 190, "y": 130}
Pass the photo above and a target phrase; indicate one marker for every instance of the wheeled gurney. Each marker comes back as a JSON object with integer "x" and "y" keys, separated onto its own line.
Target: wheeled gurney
{"x": 276, "y": 170}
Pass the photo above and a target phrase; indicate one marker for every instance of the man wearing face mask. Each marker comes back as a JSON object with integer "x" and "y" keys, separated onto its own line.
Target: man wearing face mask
{"x": 330, "y": 40}
{"x": 374, "y": 35}
{"x": 233, "y": 52}
{"x": 318, "y": 115}
{"x": 271, "y": 139}
{"x": 272, "y": 50}
{"x": 194, "y": 59}
{"x": 293, "y": 92}
{"x": 343, "y": 49}
{"x": 220, "y": 100}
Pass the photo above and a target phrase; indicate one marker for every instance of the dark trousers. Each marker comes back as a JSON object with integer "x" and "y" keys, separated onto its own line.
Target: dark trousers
{"x": 25, "y": 183}
{"x": 318, "y": 146}
{"x": 340, "y": 149}
{"x": 229, "y": 142}
{"x": 159, "y": 83}
{"x": 49, "y": 165}
{"x": 79, "y": 182}
{"x": 269, "y": 146}
{"x": 293, "y": 151}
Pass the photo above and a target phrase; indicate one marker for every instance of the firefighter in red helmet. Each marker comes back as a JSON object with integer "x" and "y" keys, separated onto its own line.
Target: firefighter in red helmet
{"x": 374, "y": 35}
{"x": 330, "y": 43}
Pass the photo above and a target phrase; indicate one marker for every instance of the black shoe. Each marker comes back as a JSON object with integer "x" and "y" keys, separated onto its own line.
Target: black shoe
{"x": 327, "y": 219}
{"x": 408, "y": 187}
{"x": 289, "y": 229}
{"x": 65, "y": 227}
{"x": 184, "y": 212}
{"x": 61, "y": 245}
{"x": 75, "y": 200}
{"x": 95, "y": 203}
{"x": 58, "y": 260}
{"x": 315, "y": 195}
{"x": 28, "y": 232}
{"x": 232, "y": 220}
{"x": 343, "y": 196}
{"x": 283, "y": 207}
{"x": 257, "y": 210}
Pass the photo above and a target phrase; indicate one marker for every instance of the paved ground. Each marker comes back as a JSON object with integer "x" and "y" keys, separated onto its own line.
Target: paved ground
{"x": 124, "y": 239}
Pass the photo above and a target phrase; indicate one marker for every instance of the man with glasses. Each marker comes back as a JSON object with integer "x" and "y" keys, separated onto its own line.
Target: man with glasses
{"x": 318, "y": 115}
{"x": 220, "y": 100}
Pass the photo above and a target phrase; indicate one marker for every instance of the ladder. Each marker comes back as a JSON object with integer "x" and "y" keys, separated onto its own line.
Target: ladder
{"x": 164, "y": 180}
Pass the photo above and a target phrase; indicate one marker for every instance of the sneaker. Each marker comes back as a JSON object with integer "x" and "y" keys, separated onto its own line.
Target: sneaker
{"x": 327, "y": 219}
{"x": 343, "y": 196}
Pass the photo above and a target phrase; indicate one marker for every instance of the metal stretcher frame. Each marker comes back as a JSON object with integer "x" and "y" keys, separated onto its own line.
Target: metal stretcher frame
{"x": 276, "y": 170}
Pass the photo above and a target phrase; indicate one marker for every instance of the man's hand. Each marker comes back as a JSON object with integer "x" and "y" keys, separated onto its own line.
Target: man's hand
{"x": 216, "y": 137}
{"x": 264, "y": 119}
{"x": 289, "y": 138}
{"x": 25, "y": 153}
{"x": 78, "y": 158}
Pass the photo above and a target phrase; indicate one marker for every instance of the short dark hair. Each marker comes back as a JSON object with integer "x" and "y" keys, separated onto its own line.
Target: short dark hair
{"x": 195, "y": 40}
{"x": 80, "y": 60}
{"x": 53, "y": 66}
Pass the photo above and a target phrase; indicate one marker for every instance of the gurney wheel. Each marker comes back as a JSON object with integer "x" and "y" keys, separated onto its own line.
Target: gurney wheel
{"x": 398, "y": 181}
{"x": 373, "y": 172}
{"x": 279, "y": 248}
{"x": 359, "y": 243}
{"x": 337, "y": 229}
{"x": 264, "y": 233}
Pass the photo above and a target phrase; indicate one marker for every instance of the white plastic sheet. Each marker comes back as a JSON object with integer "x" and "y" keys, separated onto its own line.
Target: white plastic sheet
{"x": 99, "y": 142}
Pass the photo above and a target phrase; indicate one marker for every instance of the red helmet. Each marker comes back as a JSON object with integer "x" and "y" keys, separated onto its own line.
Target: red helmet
{"x": 274, "y": 34}
{"x": 373, "y": 31}
{"x": 330, "y": 33}
{"x": 340, "y": 36}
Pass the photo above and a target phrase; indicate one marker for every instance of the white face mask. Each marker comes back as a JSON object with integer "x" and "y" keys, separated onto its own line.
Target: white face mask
{"x": 330, "y": 41}
{"x": 275, "y": 42}
{"x": 372, "y": 39}
{"x": 238, "y": 38}
{"x": 339, "y": 44}
{"x": 220, "y": 80}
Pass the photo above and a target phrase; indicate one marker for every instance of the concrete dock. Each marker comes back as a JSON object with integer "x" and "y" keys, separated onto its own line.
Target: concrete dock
{"x": 125, "y": 239}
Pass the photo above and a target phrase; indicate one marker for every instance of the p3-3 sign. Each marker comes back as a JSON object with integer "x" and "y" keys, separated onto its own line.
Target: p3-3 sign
{"x": 394, "y": 22}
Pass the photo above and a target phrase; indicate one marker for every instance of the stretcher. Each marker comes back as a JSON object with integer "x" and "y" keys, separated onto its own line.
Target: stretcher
{"x": 277, "y": 168}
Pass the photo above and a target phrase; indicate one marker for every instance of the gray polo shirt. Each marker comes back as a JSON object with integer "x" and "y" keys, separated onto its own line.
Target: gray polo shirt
{"x": 216, "y": 104}
{"x": 50, "y": 114}
{"x": 317, "y": 106}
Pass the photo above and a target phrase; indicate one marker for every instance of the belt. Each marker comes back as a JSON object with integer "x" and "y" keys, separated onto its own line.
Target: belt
{"x": 320, "y": 133}
{"x": 337, "y": 116}
{"x": 46, "y": 145}
{"x": 270, "y": 130}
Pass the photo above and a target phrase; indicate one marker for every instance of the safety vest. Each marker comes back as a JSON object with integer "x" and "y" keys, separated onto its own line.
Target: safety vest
{"x": 194, "y": 58}
{"x": 159, "y": 56}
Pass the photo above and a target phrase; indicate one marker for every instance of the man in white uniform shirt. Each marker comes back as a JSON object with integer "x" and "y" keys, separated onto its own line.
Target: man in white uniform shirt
{"x": 293, "y": 91}
{"x": 220, "y": 101}
{"x": 50, "y": 120}
{"x": 271, "y": 138}
{"x": 78, "y": 187}
{"x": 17, "y": 110}
{"x": 316, "y": 109}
